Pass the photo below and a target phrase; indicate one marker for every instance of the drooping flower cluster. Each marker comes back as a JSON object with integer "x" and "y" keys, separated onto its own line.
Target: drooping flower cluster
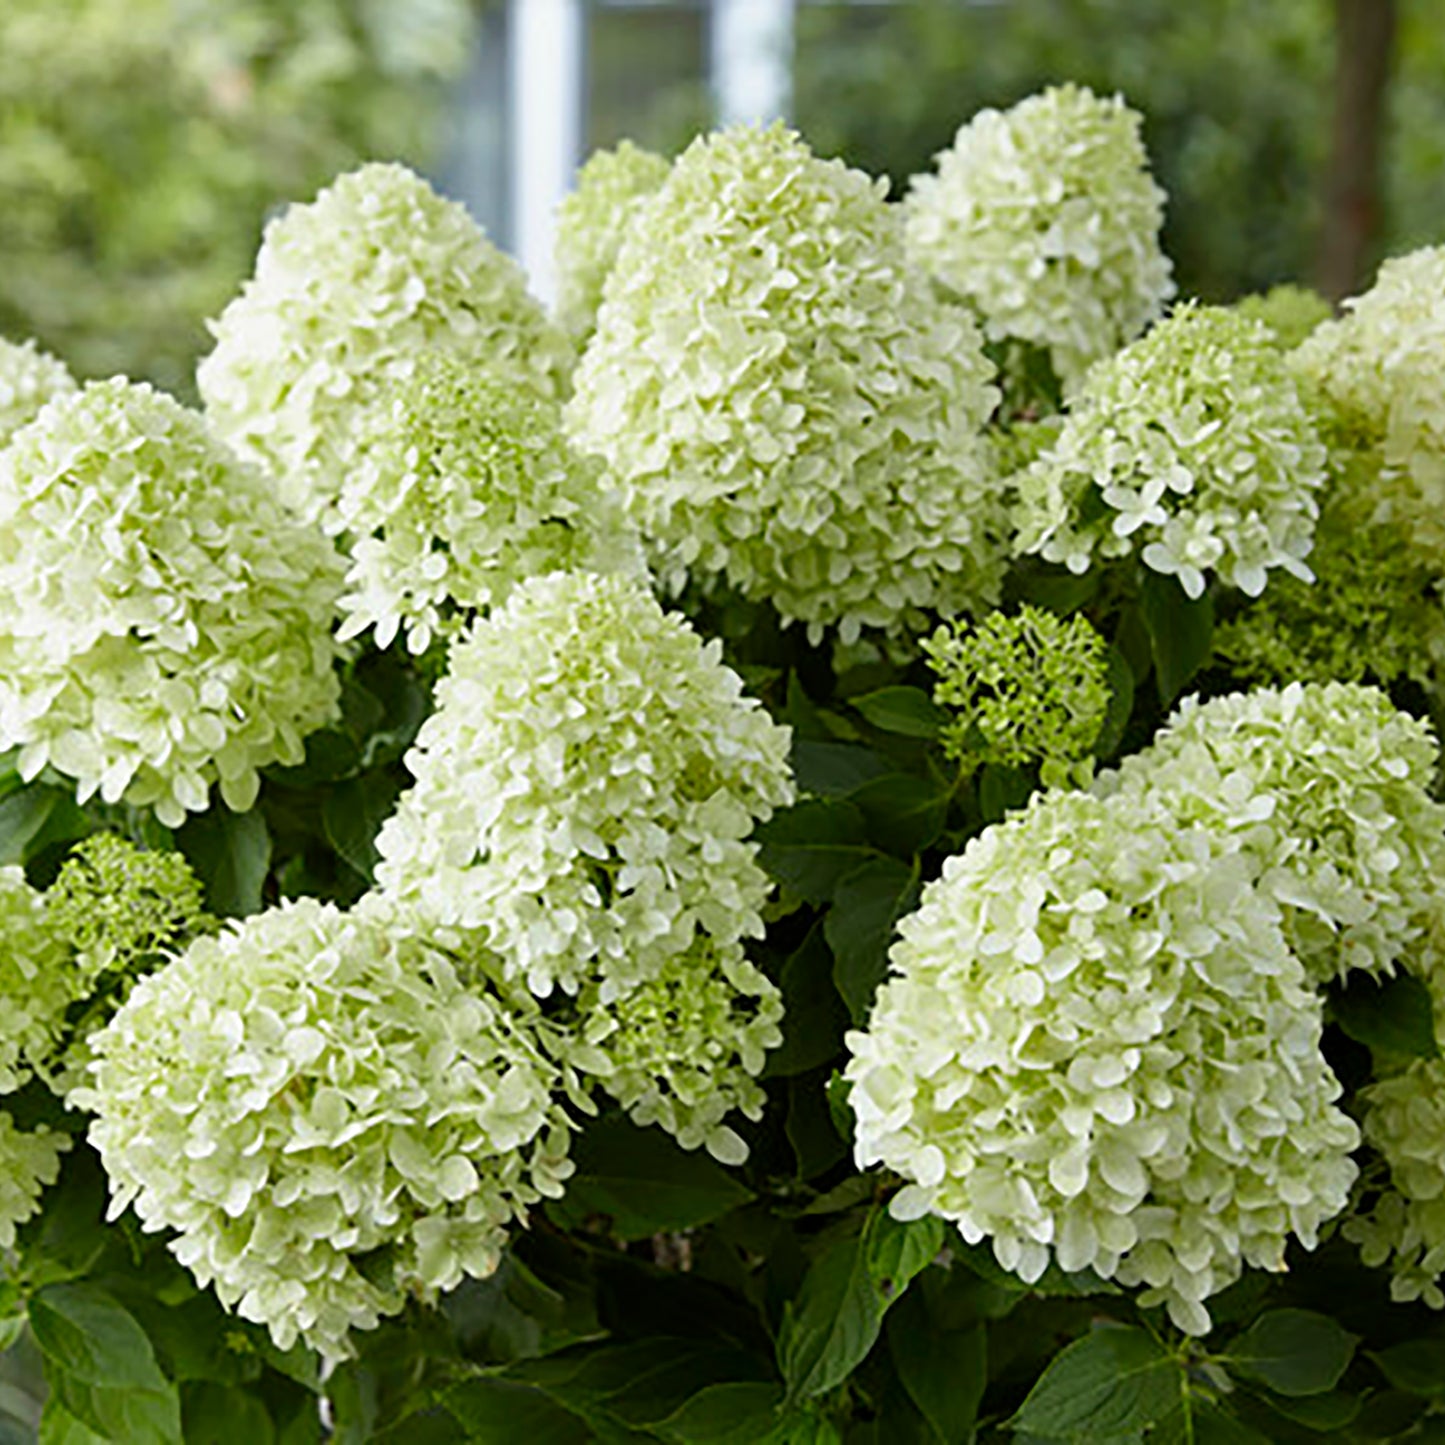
{"x": 28, "y": 379}
{"x": 1291, "y": 312}
{"x": 1046, "y": 219}
{"x": 164, "y": 624}
{"x": 1329, "y": 789}
{"x": 348, "y": 292}
{"x": 463, "y": 486}
{"x": 1096, "y": 1046}
{"x": 1382, "y": 369}
{"x": 38, "y": 982}
{"x": 29, "y": 1163}
{"x": 1193, "y": 442}
{"x": 584, "y": 797}
{"x": 592, "y": 222}
{"x": 328, "y": 1116}
{"x": 1028, "y": 688}
{"x": 783, "y": 404}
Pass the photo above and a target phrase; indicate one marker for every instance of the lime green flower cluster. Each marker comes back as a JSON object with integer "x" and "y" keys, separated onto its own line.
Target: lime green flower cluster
{"x": 1046, "y": 219}
{"x": 163, "y": 622}
{"x": 348, "y": 292}
{"x": 1193, "y": 442}
{"x": 28, "y": 379}
{"x": 1382, "y": 371}
{"x": 29, "y": 1162}
{"x": 784, "y": 405}
{"x": 463, "y": 486}
{"x": 1028, "y": 688}
{"x": 1291, "y": 312}
{"x": 584, "y": 797}
{"x": 592, "y": 222}
{"x": 330, "y": 1119}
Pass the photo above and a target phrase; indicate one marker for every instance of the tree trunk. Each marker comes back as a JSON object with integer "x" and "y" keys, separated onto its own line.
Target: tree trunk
{"x": 1365, "y": 43}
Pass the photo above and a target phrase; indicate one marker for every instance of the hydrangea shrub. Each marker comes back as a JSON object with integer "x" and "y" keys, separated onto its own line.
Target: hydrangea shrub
{"x": 29, "y": 378}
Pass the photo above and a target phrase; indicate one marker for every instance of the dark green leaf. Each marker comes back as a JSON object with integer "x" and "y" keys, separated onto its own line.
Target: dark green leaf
{"x": 811, "y": 846}
{"x": 737, "y": 1412}
{"x": 223, "y": 1415}
{"x": 867, "y": 905}
{"x": 1394, "y": 1016}
{"x": 1294, "y": 1352}
{"x": 1121, "y": 705}
{"x": 1055, "y": 588}
{"x": 944, "y": 1371}
{"x": 1415, "y": 1366}
{"x": 35, "y": 817}
{"x": 908, "y": 711}
{"x": 1181, "y": 631}
{"x": 231, "y": 853}
{"x": 83, "y": 1330}
{"x": 1111, "y": 1386}
{"x": 831, "y": 770}
{"x": 814, "y": 1017}
{"x": 120, "y": 1413}
{"x": 1330, "y": 1411}
{"x": 500, "y": 1412}
{"x": 59, "y": 1427}
{"x": 643, "y": 1182}
{"x": 514, "y": 1314}
{"x": 352, "y": 815}
{"x": 904, "y": 813}
{"x": 817, "y": 1144}
{"x": 1001, "y": 790}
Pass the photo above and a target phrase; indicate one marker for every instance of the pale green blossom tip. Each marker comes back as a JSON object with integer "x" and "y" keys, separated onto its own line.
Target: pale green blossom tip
{"x": 1193, "y": 447}
{"x": 29, "y": 1163}
{"x": 329, "y": 1119}
{"x": 592, "y": 222}
{"x": 1028, "y": 688}
{"x": 785, "y": 407}
{"x": 1045, "y": 218}
{"x": 463, "y": 486}
{"x": 1291, "y": 312}
{"x": 586, "y": 790}
{"x": 38, "y": 983}
{"x": 348, "y": 293}
{"x": 1096, "y": 1048}
{"x": 28, "y": 379}
{"x": 164, "y": 624}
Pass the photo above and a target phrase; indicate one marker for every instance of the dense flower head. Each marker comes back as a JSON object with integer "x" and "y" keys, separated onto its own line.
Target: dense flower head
{"x": 783, "y": 404}
{"x": 1026, "y": 688}
{"x": 1291, "y": 312}
{"x": 349, "y": 291}
{"x": 1193, "y": 442}
{"x": 1046, "y": 219}
{"x": 38, "y": 982}
{"x": 463, "y": 486}
{"x": 164, "y": 624}
{"x": 28, "y": 379}
{"x": 328, "y": 1116}
{"x": 1404, "y": 1226}
{"x": 585, "y": 791}
{"x": 1328, "y": 786}
{"x": 1382, "y": 370}
{"x": 592, "y": 222}
{"x": 684, "y": 1049}
{"x": 1097, "y": 1047}
{"x": 29, "y": 1162}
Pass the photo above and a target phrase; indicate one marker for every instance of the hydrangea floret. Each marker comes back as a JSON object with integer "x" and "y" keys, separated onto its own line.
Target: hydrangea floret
{"x": 592, "y": 222}
{"x": 1046, "y": 219}
{"x": 1382, "y": 370}
{"x": 1192, "y": 446}
{"x": 328, "y": 1116}
{"x": 29, "y": 1164}
{"x": 463, "y": 486}
{"x": 784, "y": 405}
{"x": 29, "y": 378}
{"x": 38, "y": 982}
{"x": 1291, "y": 312}
{"x": 349, "y": 291}
{"x": 1329, "y": 787}
{"x": 1027, "y": 688}
{"x": 164, "y": 623}
{"x": 1097, "y": 1048}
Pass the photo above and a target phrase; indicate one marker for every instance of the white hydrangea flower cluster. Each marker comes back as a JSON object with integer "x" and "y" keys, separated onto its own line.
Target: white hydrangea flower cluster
{"x": 782, "y": 402}
{"x": 1097, "y": 1046}
{"x": 1193, "y": 442}
{"x": 1046, "y": 219}
{"x": 463, "y": 486}
{"x": 1328, "y": 786}
{"x": 39, "y": 981}
{"x": 329, "y": 1117}
{"x": 164, "y": 624}
{"x": 1383, "y": 368}
{"x": 584, "y": 797}
{"x": 29, "y": 1163}
{"x": 28, "y": 379}
{"x": 348, "y": 292}
{"x": 592, "y": 222}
